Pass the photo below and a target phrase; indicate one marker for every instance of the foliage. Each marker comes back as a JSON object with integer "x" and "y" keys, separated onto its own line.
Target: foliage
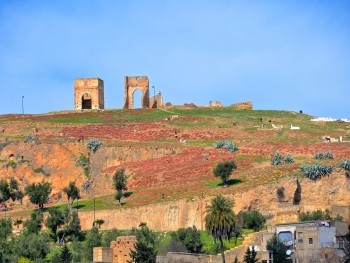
{"x": 279, "y": 159}
{"x": 173, "y": 246}
{"x": 190, "y": 238}
{"x": 93, "y": 145}
{"x": 276, "y": 159}
{"x": 220, "y": 220}
{"x": 4, "y": 191}
{"x": 278, "y": 249}
{"x": 297, "y": 194}
{"x": 316, "y": 171}
{"x": 319, "y": 156}
{"x": 10, "y": 190}
{"x": 325, "y": 155}
{"x": 5, "y": 228}
{"x": 253, "y": 220}
{"x": 99, "y": 222}
{"x": 250, "y": 255}
{"x": 72, "y": 192}
{"x": 77, "y": 250}
{"x": 11, "y": 163}
{"x": 226, "y": 145}
{"x": 18, "y": 222}
{"x": 328, "y": 155}
{"x": 83, "y": 161}
{"x": 54, "y": 220}
{"x": 72, "y": 225}
{"x": 39, "y": 193}
{"x": 15, "y": 192}
{"x": 93, "y": 239}
{"x": 32, "y": 246}
{"x": 280, "y": 194}
{"x": 345, "y": 164}
{"x": 108, "y": 236}
{"x": 119, "y": 183}
{"x": 317, "y": 215}
{"x": 30, "y": 138}
{"x": 288, "y": 159}
{"x": 66, "y": 255}
{"x": 34, "y": 224}
{"x": 224, "y": 170}
{"x": 146, "y": 245}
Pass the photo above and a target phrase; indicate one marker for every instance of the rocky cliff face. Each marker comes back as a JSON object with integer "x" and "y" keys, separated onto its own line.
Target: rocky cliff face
{"x": 331, "y": 193}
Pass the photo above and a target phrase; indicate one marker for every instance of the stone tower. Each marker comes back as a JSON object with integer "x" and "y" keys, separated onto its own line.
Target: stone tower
{"x": 131, "y": 85}
{"x": 88, "y": 93}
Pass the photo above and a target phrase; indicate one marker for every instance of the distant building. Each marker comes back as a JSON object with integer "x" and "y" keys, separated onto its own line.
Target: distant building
{"x": 306, "y": 239}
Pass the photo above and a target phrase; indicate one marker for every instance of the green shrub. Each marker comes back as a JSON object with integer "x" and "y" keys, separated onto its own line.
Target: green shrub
{"x": 93, "y": 145}
{"x": 226, "y": 145}
{"x": 276, "y": 159}
{"x": 328, "y": 155}
{"x": 317, "y": 215}
{"x": 319, "y": 156}
{"x": 316, "y": 171}
{"x": 11, "y": 163}
{"x": 30, "y": 138}
{"x": 288, "y": 159}
{"x": 345, "y": 164}
{"x": 253, "y": 220}
{"x": 325, "y": 155}
{"x": 83, "y": 161}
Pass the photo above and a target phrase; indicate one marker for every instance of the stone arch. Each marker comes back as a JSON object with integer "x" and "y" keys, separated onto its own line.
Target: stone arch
{"x": 86, "y": 101}
{"x": 131, "y": 85}
{"x": 88, "y": 93}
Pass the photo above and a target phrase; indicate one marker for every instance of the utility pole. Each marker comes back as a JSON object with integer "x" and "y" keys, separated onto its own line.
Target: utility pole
{"x": 22, "y": 105}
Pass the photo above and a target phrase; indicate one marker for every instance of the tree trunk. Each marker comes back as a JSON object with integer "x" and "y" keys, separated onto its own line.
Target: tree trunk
{"x": 222, "y": 249}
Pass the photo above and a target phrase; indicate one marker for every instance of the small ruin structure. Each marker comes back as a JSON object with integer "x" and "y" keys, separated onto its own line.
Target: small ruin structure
{"x": 118, "y": 252}
{"x": 131, "y": 85}
{"x": 246, "y": 105}
{"x": 216, "y": 104}
{"x": 88, "y": 93}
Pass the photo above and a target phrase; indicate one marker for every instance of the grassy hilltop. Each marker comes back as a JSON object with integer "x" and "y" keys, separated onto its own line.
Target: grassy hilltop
{"x": 187, "y": 137}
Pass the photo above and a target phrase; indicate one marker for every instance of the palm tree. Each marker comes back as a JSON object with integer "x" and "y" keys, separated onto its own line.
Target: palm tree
{"x": 220, "y": 220}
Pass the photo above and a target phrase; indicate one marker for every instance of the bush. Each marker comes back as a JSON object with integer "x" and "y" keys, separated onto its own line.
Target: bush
{"x": 297, "y": 194}
{"x": 317, "y": 215}
{"x": 93, "y": 145}
{"x": 316, "y": 171}
{"x": 226, "y": 145}
{"x": 288, "y": 159}
{"x": 280, "y": 194}
{"x": 276, "y": 159}
{"x": 190, "y": 238}
{"x": 328, "y": 155}
{"x": 325, "y": 155}
{"x": 224, "y": 170}
{"x": 345, "y": 164}
{"x": 319, "y": 156}
{"x": 83, "y": 161}
{"x": 253, "y": 220}
{"x": 30, "y": 138}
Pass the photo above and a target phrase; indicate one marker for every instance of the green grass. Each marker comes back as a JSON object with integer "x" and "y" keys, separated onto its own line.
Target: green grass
{"x": 208, "y": 243}
{"x": 77, "y": 119}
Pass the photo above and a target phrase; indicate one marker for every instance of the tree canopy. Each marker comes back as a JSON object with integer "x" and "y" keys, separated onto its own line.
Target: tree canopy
{"x": 220, "y": 220}
{"x": 72, "y": 192}
{"x": 119, "y": 183}
{"x": 39, "y": 193}
{"x": 224, "y": 170}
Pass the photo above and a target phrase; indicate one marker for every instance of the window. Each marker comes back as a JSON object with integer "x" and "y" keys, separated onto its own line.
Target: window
{"x": 311, "y": 241}
{"x": 300, "y": 237}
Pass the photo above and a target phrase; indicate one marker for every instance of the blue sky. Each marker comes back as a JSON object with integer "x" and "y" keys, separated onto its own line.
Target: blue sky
{"x": 290, "y": 55}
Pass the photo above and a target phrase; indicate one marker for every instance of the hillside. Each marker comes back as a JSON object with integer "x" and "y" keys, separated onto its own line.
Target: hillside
{"x": 169, "y": 156}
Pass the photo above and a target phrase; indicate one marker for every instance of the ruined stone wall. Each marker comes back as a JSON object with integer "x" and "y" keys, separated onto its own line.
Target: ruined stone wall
{"x": 136, "y": 83}
{"x": 247, "y": 105}
{"x": 91, "y": 86}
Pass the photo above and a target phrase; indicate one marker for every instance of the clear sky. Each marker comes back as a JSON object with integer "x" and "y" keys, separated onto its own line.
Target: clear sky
{"x": 290, "y": 55}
